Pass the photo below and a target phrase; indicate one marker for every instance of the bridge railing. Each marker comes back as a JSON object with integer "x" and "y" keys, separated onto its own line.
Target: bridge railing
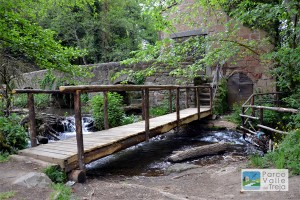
{"x": 253, "y": 110}
{"x": 145, "y": 89}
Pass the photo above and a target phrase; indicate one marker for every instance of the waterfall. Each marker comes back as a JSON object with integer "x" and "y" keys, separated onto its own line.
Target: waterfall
{"x": 70, "y": 128}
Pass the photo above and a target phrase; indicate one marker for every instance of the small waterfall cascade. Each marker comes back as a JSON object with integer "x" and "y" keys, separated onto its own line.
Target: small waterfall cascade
{"x": 70, "y": 128}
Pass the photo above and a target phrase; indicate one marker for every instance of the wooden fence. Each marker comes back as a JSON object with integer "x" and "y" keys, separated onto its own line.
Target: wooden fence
{"x": 251, "y": 111}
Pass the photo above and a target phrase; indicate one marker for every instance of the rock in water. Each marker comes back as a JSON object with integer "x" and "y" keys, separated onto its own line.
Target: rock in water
{"x": 34, "y": 179}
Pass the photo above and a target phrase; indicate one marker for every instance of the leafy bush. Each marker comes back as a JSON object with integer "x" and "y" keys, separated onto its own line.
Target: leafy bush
{"x": 162, "y": 109}
{"x": 129, "y": 119}
{"x": 116, "y": 112}
{"x": 12, "y": 135}
{"x": 287, "y": 155}
{"x": 235, "y": 115}
{"x": 55, "y": 174}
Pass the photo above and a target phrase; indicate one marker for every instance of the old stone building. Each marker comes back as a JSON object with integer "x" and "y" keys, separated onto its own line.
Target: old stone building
{"x": 245, "y": 75}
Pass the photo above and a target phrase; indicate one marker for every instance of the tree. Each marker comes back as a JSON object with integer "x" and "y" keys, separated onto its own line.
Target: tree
{"x": 279, "y": 18}
{"x": 24, "y": 45}
{"x": 109, "y": 29}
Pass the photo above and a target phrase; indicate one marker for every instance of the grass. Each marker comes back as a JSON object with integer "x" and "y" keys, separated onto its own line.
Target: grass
{"x": 285, "y": 156}
{"x": 7, "y": 195}
{"x": 55, "y": 174}
{"x": 61, "y": 192}
{"x": 4, "y": 157}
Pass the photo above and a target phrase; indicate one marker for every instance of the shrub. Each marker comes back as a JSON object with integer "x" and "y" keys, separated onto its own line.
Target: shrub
{"x": 287, "y": 155}
{"x": 235, "y": 115}
{"x": 55, "y": 174}
{"x": 12, "y": 135}
{"x": 116, "y": 112}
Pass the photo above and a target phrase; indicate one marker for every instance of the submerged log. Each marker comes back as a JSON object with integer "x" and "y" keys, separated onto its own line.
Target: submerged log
{"x": 199, "y": 151}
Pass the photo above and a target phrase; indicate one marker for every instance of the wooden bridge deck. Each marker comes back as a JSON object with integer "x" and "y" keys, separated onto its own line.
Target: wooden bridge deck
{"x": 103, "y": 143}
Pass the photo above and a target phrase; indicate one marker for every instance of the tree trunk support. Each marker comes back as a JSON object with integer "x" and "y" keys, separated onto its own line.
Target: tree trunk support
{"x": 79, "y": 136}
{"x": 32, "y": 123}
{"x": 146, "y": 109}
{"x": 177, "y": 108}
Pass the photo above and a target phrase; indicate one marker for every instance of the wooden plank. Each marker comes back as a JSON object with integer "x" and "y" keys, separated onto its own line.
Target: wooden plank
{"x": 248, "y": 116}
{"x": 106, "y": 142}
{"x": 271, "y": 129}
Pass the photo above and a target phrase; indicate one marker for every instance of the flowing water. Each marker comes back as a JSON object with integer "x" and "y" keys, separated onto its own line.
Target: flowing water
{"x": 150, "y": 158}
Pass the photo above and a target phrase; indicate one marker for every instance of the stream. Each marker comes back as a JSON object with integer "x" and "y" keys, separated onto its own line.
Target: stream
{"x": 150, "y": 158}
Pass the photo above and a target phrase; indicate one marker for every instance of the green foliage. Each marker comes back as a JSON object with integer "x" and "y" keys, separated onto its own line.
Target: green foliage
{"x": 55, "y": 174}
{"x": 22, "y": 37}
{"x": 61, "y": 192}
{"x": 116, "y": 112}
{"x": 235, "y": 114}
{"x": 108, "y": 29}
{"x": 4, "y": 157}
{"x": 285, "y": 156}
{"x": 220, "y": 102}
{"x": 174, "y": 52}
{"x": 257, "y": 161}
{"x": 40, "y": 100}
{"x": 7, "y": 195}
{"x": 160, "y": 110}
{"x": 129, "y": 119}
{"x": 12, "y": 135}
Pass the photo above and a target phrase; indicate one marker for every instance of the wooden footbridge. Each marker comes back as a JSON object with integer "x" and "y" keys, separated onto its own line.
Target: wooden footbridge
{"x": 74, "y": 153}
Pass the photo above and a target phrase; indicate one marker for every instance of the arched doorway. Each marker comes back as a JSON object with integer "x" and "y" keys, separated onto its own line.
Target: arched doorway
{"x": 240, "y": 87}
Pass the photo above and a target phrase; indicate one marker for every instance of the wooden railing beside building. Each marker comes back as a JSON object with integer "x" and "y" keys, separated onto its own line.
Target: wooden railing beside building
{"x": 251, "y": 111}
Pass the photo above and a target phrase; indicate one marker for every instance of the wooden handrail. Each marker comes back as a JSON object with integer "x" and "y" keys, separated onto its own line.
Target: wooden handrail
{"x": 278, "y": 109}
{"x": 78, "y": 90}
{"x": 250, "y": 104}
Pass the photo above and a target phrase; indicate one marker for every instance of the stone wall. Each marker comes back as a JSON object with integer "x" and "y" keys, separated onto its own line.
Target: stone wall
{"x": 207, "y": 23}
{"x": 102, "y": 74}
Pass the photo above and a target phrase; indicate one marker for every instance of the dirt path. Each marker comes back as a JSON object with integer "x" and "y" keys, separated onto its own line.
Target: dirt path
{"x": 218, "y": 181}
{"x": 215, "y": 181}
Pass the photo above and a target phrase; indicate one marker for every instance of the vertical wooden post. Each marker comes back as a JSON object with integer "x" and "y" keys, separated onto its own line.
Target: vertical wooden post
{"x": 261, "y": 116}
{"x": 32, "y": 123}
{"x": 198, "y": 102}
{"x": 146, "y": 109}
{"x": 105, "y": 107}
{"x": 143, "y": 105}
{"x": 177, "y": 108}
{"x": 79, "y": 136}
{"x": 187, "y": 98}
{"x": 170, "y": 101}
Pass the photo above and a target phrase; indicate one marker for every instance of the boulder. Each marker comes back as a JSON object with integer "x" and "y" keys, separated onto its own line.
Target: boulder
{"x": 33, "y": 179}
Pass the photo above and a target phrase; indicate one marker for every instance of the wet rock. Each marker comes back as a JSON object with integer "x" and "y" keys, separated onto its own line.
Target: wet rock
{"x": 180, "y": 167}
{"x": 33, "y": 179}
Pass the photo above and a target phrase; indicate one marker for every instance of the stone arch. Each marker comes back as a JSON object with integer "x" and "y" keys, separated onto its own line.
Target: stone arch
{"x": 240, "y": 87}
